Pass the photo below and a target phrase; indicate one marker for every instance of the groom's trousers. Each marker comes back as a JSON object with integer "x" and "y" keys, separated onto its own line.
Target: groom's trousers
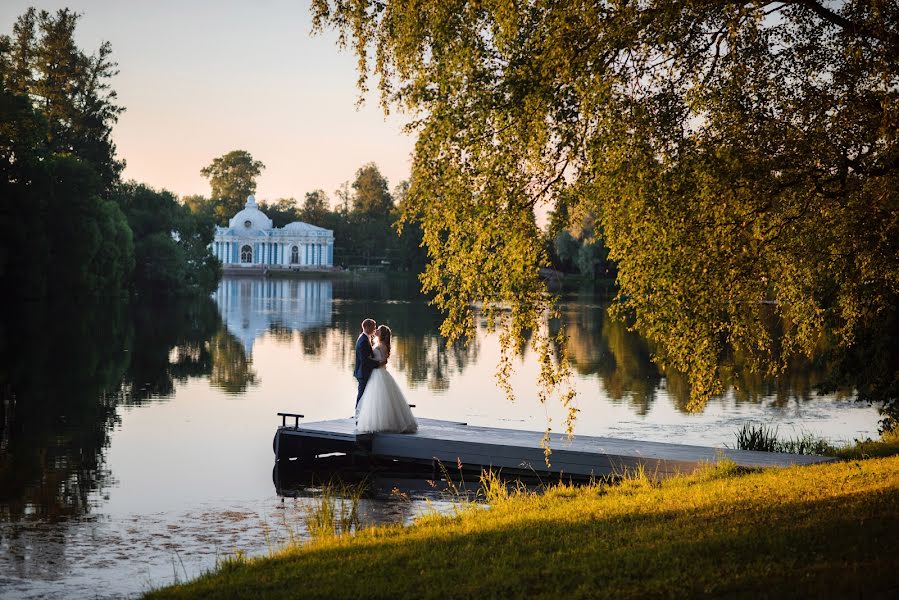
{"x": 362, "y": 383}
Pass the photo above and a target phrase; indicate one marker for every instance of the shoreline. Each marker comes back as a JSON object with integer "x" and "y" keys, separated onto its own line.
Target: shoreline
{"x": 830, "y": 529}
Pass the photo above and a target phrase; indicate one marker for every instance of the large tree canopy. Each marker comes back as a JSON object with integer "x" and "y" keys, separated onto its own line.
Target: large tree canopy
{"x": 232, "y": 178}
{"x": 68, "y": 87}
{"x": 740, "y": 158}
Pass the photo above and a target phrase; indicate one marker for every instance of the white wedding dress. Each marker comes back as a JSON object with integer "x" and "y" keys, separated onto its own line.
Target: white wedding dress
{"x": 383, "y": 407}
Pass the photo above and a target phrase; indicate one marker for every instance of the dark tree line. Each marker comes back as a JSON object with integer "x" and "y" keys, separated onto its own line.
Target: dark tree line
{"x": 68, "y": 224}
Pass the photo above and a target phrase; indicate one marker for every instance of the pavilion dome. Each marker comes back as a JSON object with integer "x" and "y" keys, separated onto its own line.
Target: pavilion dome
{"x": 250, "y": 218}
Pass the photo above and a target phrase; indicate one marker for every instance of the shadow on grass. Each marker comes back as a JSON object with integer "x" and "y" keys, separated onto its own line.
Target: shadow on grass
{"x": 734, "y": 537}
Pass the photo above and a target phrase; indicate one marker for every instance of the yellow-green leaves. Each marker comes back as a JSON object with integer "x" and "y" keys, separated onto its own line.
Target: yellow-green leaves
{"x": 740, "y": 158}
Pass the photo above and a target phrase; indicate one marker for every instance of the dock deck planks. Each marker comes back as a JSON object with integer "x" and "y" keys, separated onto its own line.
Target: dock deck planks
{"x": 511, "y": 449}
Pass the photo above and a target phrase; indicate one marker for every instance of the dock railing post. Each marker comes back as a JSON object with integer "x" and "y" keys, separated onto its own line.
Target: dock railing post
{"x": 296, "y": 425}
{"x": 296, "y": 419}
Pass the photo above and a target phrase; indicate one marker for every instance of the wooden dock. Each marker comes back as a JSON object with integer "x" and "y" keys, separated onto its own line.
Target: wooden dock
{"x": 514, "y": 451}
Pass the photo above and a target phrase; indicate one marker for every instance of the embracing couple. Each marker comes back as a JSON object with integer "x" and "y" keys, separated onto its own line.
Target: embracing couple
{"x": 380, "y": 404}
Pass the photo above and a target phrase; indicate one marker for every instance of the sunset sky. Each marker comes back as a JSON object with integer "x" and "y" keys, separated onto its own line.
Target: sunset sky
{"x": 200, "y": 78}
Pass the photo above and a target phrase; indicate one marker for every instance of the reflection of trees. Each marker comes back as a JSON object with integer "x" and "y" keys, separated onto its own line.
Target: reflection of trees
{"x": 281, "y": 333}
{"x": 620, "y": 358}
{"x": 64, "y": 368}
{"x": 231, "y": 370}
{"x": 313, "y": 341}
{"x": 630, "y": 372}
{"x": 173, "y": 346}
{"x": 417, "y": 349}
{"x": 61, "y": 364}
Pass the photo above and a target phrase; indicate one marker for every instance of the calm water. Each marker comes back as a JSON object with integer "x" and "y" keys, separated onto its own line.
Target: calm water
{"x": 135, "y": 441}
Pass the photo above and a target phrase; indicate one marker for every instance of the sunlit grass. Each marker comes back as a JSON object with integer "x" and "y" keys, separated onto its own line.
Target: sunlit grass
{"x": 823, "y": 530}
{"x": 334, "y": 510}
{"x": 765, "y": 438}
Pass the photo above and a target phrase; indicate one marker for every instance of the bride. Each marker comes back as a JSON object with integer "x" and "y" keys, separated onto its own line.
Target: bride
{"x": 383, "y": 408}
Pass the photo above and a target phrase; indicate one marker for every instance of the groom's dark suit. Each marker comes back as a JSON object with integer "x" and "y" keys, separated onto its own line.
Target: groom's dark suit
{"x": 365, "y": 364}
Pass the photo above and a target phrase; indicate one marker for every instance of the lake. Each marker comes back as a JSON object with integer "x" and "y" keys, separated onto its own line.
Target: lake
{"x": 135, "y": 438}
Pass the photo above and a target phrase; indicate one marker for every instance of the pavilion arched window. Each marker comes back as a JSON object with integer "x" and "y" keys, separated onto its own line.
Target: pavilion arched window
{"x": 246, "y": 254}
{"x": 294, "y": 255}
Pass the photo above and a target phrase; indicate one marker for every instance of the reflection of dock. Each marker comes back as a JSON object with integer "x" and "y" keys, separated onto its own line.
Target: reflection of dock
{"x": 515, "y": 450}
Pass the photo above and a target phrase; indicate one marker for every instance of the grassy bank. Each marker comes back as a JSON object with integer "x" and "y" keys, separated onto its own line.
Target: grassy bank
{"x": 828, "y": 530}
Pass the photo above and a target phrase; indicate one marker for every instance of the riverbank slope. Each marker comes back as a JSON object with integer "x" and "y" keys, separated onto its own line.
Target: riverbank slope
{"x": 825, "y": 530}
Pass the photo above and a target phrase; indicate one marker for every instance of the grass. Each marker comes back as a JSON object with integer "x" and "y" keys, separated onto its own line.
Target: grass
{"x": 765, "y": 438}
{"x": 335, "y": 510}
{"x": 823, "y": 530}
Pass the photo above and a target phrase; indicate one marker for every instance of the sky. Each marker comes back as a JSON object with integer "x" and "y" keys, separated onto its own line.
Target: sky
{"x": 200, "y": 78}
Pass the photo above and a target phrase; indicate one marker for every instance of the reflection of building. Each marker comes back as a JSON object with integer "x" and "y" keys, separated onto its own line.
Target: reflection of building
{"x": 251, "y": 241}
{"x": 252, "y": 306}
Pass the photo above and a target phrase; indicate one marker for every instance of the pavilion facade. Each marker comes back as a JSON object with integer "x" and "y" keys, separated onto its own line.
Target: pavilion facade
{"x": 251, "y": 241}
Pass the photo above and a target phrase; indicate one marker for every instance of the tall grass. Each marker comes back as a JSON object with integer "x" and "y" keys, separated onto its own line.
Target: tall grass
{"x": 765, "y": 439}
{"x": 335, "y": 510}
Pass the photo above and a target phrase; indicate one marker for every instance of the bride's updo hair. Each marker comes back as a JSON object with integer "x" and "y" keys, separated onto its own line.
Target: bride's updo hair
{"x": 383, "y": 333}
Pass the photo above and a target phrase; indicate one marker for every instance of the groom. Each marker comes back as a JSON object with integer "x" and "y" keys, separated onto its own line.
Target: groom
{"x": 365, "y": 361}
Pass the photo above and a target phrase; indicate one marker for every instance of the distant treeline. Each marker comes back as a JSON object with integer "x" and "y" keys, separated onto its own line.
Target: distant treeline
{"x": 364, "y": 217}
{"x": 68, "y": 224}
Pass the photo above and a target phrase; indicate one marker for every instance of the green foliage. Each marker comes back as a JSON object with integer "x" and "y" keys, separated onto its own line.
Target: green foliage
{"x": 887, "y": 445}
{"x": 371, "y": 196}
{"x": 60, "y": 231}
{"x": 69, "y": 88}
{"x": 740, "y": 158}
{"x": 797, "y": 532}
{"x": 335, "y": 510}
{"x": 59, "y": 234}
{"x": 232, "y": 178}
{"x": 282, "y": 211}
{"x": 765, "y": 439}
{"x": 171, "y": 242}
{"x": 316, "y": 207}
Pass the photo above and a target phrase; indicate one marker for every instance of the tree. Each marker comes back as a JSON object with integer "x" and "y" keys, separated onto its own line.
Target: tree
{"x": 68, "y": 87}
{"x": 410, "y": 252}
{"x": 282, "y": 211}
{"x": 315, "y": 207}
{"x": 199, "y": 204}
{"x": 371, "y": 219}
{"x": 370, "y": 191}
{"x": 232, "y": 178}
{"x": 57, "y": 232}
{"x": 171, "y": 243}
{"x": 740, "y": 157}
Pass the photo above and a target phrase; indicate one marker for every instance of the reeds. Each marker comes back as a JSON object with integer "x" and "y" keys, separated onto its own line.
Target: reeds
{"x": 335, "y": 510}
{"x": 765, "y": 439}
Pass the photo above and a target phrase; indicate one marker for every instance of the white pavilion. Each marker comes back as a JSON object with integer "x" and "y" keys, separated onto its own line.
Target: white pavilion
{"x": 251, "y": 241}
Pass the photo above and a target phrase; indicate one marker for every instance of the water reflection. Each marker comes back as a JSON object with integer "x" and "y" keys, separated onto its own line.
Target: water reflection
{"x": 113, "y": 414}
{"x": 324, "y": 316}
{"x": 58, "y": 394}
{"x": 622, "y": 362}
{"x": 251, "y": 306}
{"x": 65, "y": 368}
